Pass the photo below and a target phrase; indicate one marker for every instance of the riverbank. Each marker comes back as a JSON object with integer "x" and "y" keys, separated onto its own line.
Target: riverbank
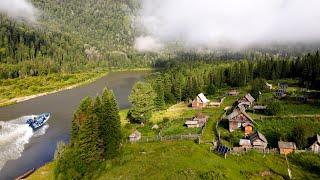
{"x": 19, "y": 90}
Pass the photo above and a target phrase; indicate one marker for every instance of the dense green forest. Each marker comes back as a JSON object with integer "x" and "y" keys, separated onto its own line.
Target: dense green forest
{"x": 183, "y": 80}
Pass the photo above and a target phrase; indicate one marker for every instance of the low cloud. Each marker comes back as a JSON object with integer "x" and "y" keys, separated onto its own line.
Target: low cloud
{"x": 147, "y": 44}
{"x": 230, "y": 23}
{"x": 19, "y": 10}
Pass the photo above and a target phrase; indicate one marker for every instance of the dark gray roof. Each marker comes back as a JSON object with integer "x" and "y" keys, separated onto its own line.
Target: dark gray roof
{"x": 258, "y": 135}
{"x": 287, "y": 145}
{"x": 238, "y": 111}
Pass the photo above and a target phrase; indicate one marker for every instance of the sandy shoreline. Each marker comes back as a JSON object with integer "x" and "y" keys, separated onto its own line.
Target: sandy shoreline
{"x": 26, "y": 98}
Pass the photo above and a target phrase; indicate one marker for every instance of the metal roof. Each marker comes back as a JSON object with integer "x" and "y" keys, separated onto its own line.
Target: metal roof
{"x": 203, "y": 98}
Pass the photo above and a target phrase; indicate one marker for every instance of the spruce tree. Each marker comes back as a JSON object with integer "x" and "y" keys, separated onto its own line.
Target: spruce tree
{"x": 110, "y": 126}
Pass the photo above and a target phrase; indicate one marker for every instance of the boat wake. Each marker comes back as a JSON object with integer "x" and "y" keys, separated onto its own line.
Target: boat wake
{"x": 14, "y": 135}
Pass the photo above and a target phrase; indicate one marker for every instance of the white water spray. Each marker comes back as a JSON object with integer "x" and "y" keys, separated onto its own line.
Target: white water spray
{"x": 14, "y": 135}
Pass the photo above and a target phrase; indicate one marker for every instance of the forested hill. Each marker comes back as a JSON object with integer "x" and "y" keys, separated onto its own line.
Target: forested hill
{"x": 105, "y": 24}
{"x": 70, "y": 36}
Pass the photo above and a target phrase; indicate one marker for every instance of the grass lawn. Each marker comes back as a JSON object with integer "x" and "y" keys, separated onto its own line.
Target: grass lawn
{"x": 187, "y": 160}
{"x": 276, "y": 128}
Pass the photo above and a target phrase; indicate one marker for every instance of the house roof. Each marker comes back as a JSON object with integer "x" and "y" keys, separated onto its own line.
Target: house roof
{"x": 244, "y": 142}
{"x": 191, "y": 123}
{"x": 233, "y": 92}
{"x": 237, "y": 112}
{"x": 258, "y": 135}
{"x": 287, "y": 145}
{"x": 203, "y": 98}
{"x": 249, "y": 97}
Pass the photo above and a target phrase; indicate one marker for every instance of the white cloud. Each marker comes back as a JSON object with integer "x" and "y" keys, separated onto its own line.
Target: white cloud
{"x": 147, "y": 44}
{"x": 219, "y": 23}
{"x": 19, "y": 9}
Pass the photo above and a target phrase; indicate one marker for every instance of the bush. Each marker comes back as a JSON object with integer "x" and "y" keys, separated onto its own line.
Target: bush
{"x": 274, "y": 108}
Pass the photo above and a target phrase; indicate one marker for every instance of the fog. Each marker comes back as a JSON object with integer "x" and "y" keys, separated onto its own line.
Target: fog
{"x": 19, "y": 10}
{"x": 228, "y": 23}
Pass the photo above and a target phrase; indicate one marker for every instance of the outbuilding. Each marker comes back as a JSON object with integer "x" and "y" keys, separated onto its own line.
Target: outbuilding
{"x": 258, "y": 140}
{"x": 200, "y": 101}
{"x": 286, "y": 147}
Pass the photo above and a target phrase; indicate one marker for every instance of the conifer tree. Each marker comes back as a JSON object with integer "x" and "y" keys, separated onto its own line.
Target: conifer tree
{"x": 142, "y": 98}
{"x": 110, "y": 126}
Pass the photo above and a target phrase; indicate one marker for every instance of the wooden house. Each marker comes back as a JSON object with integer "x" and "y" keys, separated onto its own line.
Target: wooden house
{"x": 200, "y": 101}
{"x": 240, "y": 119}
{"x": 245, "y": 143}
{"x": 315, "y": 144}
{"x": 286, "y": 147}
{"x": 233, "y": 93}
{"x": 247, "y": 99}
{"x": 258, "y": 140}
{"x": 135, "y": 136}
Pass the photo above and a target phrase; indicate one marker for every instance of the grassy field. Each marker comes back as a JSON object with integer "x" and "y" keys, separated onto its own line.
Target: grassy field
{"x": 20, "y": 87}
{"x": 188, "y": 160}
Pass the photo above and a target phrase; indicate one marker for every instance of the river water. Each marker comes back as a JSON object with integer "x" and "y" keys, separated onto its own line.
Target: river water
{"x": 21, "y": 149}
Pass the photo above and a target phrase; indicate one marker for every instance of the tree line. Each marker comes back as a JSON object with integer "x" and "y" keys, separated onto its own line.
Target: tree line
{"x": 95, "y": 137}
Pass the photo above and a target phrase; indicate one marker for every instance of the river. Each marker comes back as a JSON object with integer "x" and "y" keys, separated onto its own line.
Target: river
{"x": 34, "y": 149}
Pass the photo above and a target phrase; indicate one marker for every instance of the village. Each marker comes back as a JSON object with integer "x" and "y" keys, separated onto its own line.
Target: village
{"x": 216, "y": 121}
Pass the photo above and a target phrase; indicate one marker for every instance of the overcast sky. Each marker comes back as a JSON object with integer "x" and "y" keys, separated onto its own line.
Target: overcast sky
{"x": 19, "y": 9}
{"x": 217, "y": 23}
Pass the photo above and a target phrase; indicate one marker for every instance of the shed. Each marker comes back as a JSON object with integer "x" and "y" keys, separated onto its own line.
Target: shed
{"x": 258, "y": 140}
{"x": 286, "y": 147}
{"x": 259, "y": 108}
{"x": 135, "y": 136}
{"x": 248, "y": 128}
{"x": 315, "y": 144}
{"x": 280, "y": 93}
{"x": 192, "y": 124}
{"x": 201, "y": 119}
{"x": 200, "y": 101}
{"x": 233, "y": 93}
{"x": 245, "y": 143}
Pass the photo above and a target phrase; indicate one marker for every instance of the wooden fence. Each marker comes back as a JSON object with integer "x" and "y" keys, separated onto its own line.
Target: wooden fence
{"x": 145, "y": 139}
